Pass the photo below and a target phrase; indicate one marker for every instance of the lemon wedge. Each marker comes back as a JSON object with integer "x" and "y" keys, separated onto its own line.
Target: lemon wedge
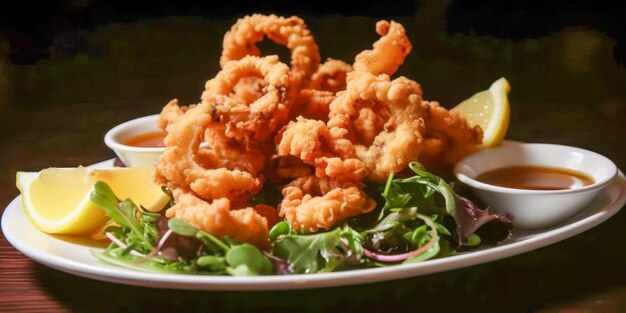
{"x": 56, "y": 200}
{"x": 489, "y": 109}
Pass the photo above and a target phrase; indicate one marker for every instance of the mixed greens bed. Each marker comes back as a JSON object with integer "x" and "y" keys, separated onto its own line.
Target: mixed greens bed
{"x": 418, "y": 218}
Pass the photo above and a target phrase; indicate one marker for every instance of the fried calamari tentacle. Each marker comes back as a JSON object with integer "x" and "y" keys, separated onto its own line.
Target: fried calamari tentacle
{"x": 331, "y": 76}
{"x": 258, "y": 119}
{"x": 388, "y": 52}
{"x": 448, "y": 136}
{"x": 291, "y": 32}
{"x": 346, "y": 170}
{"x": 311, "y": 141}
{"x": 170, "y": 113}
{"x": 388, "y": 135}
{"x": 316, "y": 186}
{"x": 313, "y": 204}
{"x": 304, "y": 139}
{"x": 219, "y": 218}
{"x": 180, "y": 165}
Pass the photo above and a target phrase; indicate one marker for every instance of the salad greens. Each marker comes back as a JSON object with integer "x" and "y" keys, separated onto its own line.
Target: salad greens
{"x": 135, "y": 245}
{"x": 419, "y": 218}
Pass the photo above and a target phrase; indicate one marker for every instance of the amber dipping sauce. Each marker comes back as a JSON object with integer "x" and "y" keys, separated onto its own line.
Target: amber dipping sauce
{"x": 536, "y": 178}
{"x": 147, "y": 140}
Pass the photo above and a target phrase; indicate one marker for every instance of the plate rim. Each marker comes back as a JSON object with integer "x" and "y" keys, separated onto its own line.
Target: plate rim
{"x": 109, "y": 273}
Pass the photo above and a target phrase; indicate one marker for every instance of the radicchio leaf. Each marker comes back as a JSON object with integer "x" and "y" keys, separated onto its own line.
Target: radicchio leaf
{"x": 177, "y": 247}
{"x": 470, "y": 218}
{"x": 281, "y": 266}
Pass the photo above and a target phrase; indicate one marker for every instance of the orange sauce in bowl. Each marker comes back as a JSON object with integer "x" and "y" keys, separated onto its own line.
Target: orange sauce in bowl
{"x": 536, "y": 178}
{"x": 147, "y": 140}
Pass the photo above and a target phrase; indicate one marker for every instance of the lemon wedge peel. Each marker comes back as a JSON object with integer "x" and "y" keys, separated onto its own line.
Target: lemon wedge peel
{"x": 80, "y": 216}
{"x": 495, "y": 123}
{"x": 84, "y": 219}
{"x": 496, "y": 131}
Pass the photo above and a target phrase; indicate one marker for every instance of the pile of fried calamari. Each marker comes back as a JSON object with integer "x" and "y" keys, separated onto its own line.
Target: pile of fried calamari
{"x": 317, "y": 130}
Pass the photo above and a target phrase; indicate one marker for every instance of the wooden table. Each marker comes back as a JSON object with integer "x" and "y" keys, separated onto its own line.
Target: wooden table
{"x": 567, "y": 87}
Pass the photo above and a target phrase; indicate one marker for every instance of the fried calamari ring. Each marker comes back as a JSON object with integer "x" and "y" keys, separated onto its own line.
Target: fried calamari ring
{"x": 291, "y": 32}
{"x": 314, "y": 101}
{"x": 217, "y": 217}
{"x": 448, "y": 136}
{"x": 258, "y": 119}
{"x": 388, "y": 52}
{"x": 331, "y": 76}
{"x": 312, "y": 204}
{"x": 388, "y": 136}
{"x": 248, "y": 89}
{"x": 181, "y": 166}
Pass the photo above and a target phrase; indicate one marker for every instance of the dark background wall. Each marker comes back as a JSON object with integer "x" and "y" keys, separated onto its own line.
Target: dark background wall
{"x": 32, "y": 27}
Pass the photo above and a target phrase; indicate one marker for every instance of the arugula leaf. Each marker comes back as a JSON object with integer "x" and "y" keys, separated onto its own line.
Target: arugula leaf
{"x": 154, "y": 264}
{"x": 394, "y": 219}
{"x": 467, "y": 215}
{"x": 304, "y": 251}
{"x": 436, "y": 184}
{"x": 122, "y": 213}
{"x": 353, "y": 239}
{"x": 141, "y": 233}
{"x": 394, "y": 196}
{"x": 424, "y": 238}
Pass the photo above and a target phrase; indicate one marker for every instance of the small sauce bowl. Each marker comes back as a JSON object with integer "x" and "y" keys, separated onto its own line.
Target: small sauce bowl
{"x": 134, "y": 156}
{"x": 536, "y": 208}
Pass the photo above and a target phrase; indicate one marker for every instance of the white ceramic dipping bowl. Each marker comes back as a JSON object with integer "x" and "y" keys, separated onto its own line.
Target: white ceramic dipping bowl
{"x": 536, "y": 208}
{"x": 134, "y": 156}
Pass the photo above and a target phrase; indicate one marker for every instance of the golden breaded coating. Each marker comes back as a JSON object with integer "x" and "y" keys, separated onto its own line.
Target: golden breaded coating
{"x": 388, "y": 52}
{"x": 312, "y": 104}
{"x": 311, "y": 141}
{"x": 331, "y": 76}
{"x": 448, "y": 136}
{"x": 291, "y": 32}
{"x": 170, "y": 113}
{"x": 261, "y": 118}
{"x": 320, "y": 131}
{"x": 180, "y": 167}
{"x": 318, "y": 204}
{"x": 218, "y": 218}
{"x": 386, "y": 136}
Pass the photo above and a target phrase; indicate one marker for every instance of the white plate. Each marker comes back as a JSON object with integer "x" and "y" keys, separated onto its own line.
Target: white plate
{"x": 76, "y": 259}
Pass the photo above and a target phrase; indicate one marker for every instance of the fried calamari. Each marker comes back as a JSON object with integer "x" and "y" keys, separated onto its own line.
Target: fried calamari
{"x": 312, "y": 204}
{"x": 316, "y": 131}
{"x": 381, "y": 120}
{"x": 291, "y": 32}
{"x": 388, "y": 52}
